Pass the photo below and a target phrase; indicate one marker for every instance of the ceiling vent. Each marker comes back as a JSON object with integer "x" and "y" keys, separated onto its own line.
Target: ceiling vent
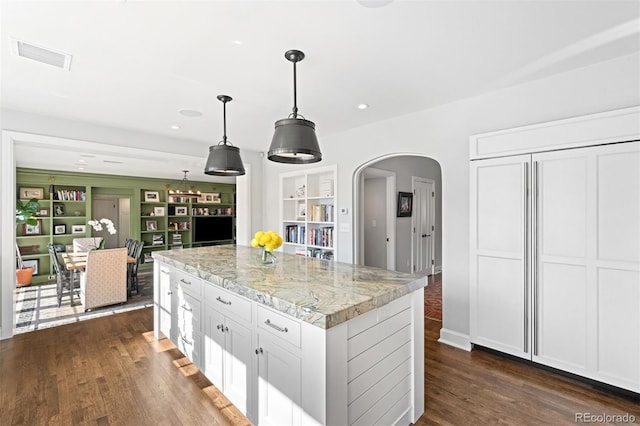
{"x": 41, "y": 54}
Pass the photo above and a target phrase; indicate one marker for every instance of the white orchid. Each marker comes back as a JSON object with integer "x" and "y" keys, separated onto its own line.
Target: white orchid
{"x": 97, "y": 225}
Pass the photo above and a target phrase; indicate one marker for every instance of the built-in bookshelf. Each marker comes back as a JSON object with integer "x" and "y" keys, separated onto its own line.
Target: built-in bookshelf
{"x": 308, "y": 212}
{"x": 156, "y": 215}
{"x": 61, "y": 218}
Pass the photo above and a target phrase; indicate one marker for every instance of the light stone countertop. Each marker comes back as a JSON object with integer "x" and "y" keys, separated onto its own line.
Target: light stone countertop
{"x": 321, "y": 292}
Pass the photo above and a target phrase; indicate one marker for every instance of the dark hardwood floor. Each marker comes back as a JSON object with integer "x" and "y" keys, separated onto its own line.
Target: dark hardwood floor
{"x": 110, "y": 371}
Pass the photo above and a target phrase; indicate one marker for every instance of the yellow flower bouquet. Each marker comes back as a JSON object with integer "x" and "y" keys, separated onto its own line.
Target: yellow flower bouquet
{"x": 268, "y": 241}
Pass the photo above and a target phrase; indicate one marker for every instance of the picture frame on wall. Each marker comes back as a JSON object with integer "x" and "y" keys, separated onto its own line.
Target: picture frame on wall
{"x": 35, "y": 263}
{"x": 181, "y": 210}
{"x": 158, "y": 211}
{"x": 405, "y": 204}
{"x": 210, "y": 197}
{"x": 152, "y": 225}
{"x": 78, "y": 229}
{"x": 151, "y": 196}
{"x": 43, "y": 211}
{"x": 60, "y": 229}
{"x": 32, "y": 229}
{"x": 29, "y": 193}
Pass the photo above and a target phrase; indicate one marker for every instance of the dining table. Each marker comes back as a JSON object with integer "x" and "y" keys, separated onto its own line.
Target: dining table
{"x": 76, "y": 262}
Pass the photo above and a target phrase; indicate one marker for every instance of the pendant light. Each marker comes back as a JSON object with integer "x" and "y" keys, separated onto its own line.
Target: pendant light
{"x": 224, "y": 158}
{"x": 294, "y": 140}
{"x": 184, "y": 187}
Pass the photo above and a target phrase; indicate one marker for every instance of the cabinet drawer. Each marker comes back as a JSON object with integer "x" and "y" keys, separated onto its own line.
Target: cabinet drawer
{"x": 188, "y": 313}
{"x": 191, "y": 347}
{"x": 284, "y": 327}
{"x": 227, "y": 303}
{"x": 188, "y": 282}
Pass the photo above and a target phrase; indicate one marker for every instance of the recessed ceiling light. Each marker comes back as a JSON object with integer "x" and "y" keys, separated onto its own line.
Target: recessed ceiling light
{"x": 363, "y": 106}
{"x": 190, "y": 113}
{"x": 80, "y": 168}
{"x": 238, "y": 42}
{"x": 175, "y": 127}
{"x": 81, "y": 161}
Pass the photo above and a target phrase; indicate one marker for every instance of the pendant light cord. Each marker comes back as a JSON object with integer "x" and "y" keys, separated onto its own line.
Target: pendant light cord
{"x": 224, "y": 122}
{"x": 295, "y": 104}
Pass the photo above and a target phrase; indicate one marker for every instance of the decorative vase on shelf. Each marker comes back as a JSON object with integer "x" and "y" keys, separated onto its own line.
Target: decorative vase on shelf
{"x": 266, "y": 257}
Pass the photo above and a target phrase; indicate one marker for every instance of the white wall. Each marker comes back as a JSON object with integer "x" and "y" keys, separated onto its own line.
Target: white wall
{"x": 442, "y": 133}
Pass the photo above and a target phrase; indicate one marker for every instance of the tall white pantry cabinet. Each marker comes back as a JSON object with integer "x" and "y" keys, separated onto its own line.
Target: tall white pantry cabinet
{"x": 555, "y": 245}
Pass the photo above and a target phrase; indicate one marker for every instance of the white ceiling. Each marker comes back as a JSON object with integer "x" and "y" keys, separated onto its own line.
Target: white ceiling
{"x": 137, "y": 63}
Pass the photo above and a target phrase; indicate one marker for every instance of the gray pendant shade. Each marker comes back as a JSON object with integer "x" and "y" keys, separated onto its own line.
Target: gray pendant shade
{"x": 294, "y": 140}
{"x": 224, "y": 158}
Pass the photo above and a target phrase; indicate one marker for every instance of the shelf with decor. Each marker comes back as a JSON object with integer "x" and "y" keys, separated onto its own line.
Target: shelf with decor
{"x": 308, "y": 212}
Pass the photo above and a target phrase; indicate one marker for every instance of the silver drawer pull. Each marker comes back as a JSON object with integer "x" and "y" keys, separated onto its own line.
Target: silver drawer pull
{"x": 186, "y": 341}
{"x": 221, "y": 300}
{"x": 277, "y": 327}
{"x": 185, "y": 282}
{"x": 165, "y": 272}
{"x": 187, "y": 308}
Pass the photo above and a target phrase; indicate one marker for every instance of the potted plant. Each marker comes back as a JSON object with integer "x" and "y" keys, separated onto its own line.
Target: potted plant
{"x": 25, "y": 214}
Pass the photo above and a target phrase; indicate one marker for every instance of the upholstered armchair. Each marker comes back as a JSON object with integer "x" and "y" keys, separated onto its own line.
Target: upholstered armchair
{"x": 104, "y": 280}
{"x": 83, "y": 245}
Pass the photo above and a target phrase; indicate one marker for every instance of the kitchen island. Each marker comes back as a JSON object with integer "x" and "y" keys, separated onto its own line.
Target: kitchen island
{"x": 302, "y": 341}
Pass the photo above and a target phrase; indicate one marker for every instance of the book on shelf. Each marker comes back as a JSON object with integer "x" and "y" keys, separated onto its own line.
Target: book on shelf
{"x": 69, "y": 195}
{"x": 146, "y": 258}
{"x": 321, "y": 213}
{"x": 157, "y": 240}
{"x": 322, "y": 236}
{"x": 176, "y": 239}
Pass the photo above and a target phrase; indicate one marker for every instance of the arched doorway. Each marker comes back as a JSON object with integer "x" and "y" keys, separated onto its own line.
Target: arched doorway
{"x": 376, "y": 186}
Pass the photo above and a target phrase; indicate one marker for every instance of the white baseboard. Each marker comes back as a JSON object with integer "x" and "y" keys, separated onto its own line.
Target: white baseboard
{"x": 455, "y": 339}
{"x": 437, "y": 270}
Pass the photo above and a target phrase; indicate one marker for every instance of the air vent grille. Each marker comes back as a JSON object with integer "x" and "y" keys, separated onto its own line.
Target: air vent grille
{"x": 41, "y": 54}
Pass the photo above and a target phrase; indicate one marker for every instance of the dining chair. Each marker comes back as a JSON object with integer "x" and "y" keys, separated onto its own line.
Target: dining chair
{"x": 64, "y": 277}
{"x": 136, "y": 253}
{"x": 104, "y": 280}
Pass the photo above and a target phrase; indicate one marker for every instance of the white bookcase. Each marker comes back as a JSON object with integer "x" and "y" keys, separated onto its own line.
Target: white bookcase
{"x": 309, "y": 212}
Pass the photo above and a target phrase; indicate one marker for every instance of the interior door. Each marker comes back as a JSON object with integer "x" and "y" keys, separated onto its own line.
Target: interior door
{"x": 106, "y": 208}
{"x": 423, "y": 226}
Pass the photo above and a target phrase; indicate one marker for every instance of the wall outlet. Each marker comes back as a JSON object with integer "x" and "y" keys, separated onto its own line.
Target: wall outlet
{"x": 51, "y": 277}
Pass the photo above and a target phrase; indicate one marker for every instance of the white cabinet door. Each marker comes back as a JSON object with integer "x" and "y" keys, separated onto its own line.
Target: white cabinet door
{"x": 499, "y": 253}
{"x": 213, "y": 347}
{"x": 165, "y": 303}
{"x": 239, "y": 356}
{"x": 586, "y": 277}
{"x": 229, "y": 358}
{"x": 279, "y": 391}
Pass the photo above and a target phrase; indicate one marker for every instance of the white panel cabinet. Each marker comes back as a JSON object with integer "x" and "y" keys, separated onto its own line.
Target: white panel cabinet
{"x": 228, "y": 350}
{"x": 555, "y": 259}
{"x": 499, "y": 254}
{"x": 164, "y": 292}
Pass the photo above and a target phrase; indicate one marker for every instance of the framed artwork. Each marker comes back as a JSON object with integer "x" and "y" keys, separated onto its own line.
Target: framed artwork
{"x": 152, "y": 225}
{"x": 78, "y": 229}
{"x": 181, "y": 210}
{"x": 405, "y": 204}
{"x": 29, "y": 193}
{"x": 158, "y": 211}
{"x": 211, "y": 197}
{"x": 60, "y": 229}
{"x": 151, "y": 196}
{"x": 35, "y": 263}
{"x": 43, "y": 211}
{"x": 58, "y": 209}
{"x": 32, "y": 229}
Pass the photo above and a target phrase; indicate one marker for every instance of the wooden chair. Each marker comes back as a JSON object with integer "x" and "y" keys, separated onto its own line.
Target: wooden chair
{"x": 64, "y": 277}
{"x": 136, "y": 253}
{"x": 104, "y": 280}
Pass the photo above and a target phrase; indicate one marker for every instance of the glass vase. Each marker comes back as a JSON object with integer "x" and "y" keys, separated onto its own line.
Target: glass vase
{"x": 266, "y": 257}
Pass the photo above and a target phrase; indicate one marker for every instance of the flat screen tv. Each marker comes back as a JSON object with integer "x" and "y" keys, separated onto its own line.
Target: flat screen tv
{"x": 212, "y": 228}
